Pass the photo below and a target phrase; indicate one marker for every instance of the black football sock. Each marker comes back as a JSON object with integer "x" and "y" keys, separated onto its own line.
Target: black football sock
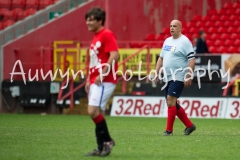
{"x": 103, "y": 130}
{"x": 99, "y": 138}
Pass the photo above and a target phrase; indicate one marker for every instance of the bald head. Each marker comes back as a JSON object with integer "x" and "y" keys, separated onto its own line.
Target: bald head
{"x": 175, "y": 28}
{"x": 177, "y": 22}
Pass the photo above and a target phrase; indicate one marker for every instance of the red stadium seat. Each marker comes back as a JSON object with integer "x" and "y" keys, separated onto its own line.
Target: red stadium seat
{"x": 160, "y": 37}
{"x": 9, "y": 15}
{"x": 166, "y": 30}
{"x": 17, "y": 10}
{"x": 215, "y": 17}
{"x": 228, "y": 42}
{"x": 193, "y": 30}
{"x": 224, "y": 36}
{"x": 199, "y": 24}
{"x": 238, "y": 29}
{"x": 5, "y": 3}
{"x": 214, "y": 36}
{"x": 232, "y": 49}
{"x": 206, "y": 18}
{"x": 191, "y": 24}
{"x": 210, "y": 43}
{"x": 218, "y": 43}
{"x": 18, "y": 3}
{"x": 212, "y": 12}
{"x": 228, "y": 24}
{"x": 237, "y": 11}
{"x": 234, "y": 36}
{"x": 209, "y": 24}
{"x": 22, "y": 15}
{"x": 30, "y": 11}
{"x": 219, "y": 23}
{"x": 222, "y": 49}
{"x": 8, "y": 23}
{"x": 150, "y": 37}
{"x": 230, "y": 11}
{"x": 224, "y": 18}
{"x": 222, "y": 11}
{"x": 227, "y": 6}
{"x": 236, "y": 23}
{"x": 212, "y": 30}
{"x": 1, "y": 26}
{"x": 238, "y": 50}
{"x": 185, "y": 30}
{"x": 197, "y": 18}
{"x": 3, "y": 10}
{"x": 45, "y": 3}
{"x": 234, "y": 18}
{"x": 55, "y": 1}
{"x": 166, "y": 35}
{"x": 32, "y": 4}
{"x": 232, "y": 29}
{"x": 236, "y": 5}
{"x": 184, "y": 25}
{"x": 237, "y": 42}
{"x": 213, "y": 49}
{"x": 222, "y": 30}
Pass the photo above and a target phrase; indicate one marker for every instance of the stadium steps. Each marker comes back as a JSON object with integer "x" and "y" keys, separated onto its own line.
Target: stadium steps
{"x": 81, "y": 109}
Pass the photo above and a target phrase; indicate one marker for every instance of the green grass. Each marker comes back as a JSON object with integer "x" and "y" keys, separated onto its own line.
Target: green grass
{"x": 32, "y": 137}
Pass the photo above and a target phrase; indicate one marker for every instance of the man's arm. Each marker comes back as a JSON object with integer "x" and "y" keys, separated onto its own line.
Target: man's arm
{"x": 191, "y": 65}
{"x": 158, "y": 67}
{"x": 159, "y": 64}
{"x": 114, "y": 56}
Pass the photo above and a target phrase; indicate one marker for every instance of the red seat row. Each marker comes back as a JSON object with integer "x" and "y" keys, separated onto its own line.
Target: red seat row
{"x": 16, "y": 13}
{"x": 223, "y": 49}
{"x": 6, "y": 23}
{"x": 39, "y": 4}
{"x": 207, "y": 24}
{"x": 227, "y": 42}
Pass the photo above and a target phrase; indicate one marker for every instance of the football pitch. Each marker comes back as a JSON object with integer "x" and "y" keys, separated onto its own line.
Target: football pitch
{"x": 69, "y": 137}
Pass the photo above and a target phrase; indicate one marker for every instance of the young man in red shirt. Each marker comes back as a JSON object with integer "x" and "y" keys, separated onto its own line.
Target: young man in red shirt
{"x": 103, "y": 56}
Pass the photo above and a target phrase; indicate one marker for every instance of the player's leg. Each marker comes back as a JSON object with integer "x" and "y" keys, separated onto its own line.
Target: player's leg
{"x": 171, "y": 114}
{"x": 190, "y": 127}
{"x": 108, "y": 141}
{"x": 94, "y": 99}
{"x": 172, "y": 92}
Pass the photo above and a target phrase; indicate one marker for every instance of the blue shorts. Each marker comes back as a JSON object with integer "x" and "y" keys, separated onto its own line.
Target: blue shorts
{"x": 174, "y": 88}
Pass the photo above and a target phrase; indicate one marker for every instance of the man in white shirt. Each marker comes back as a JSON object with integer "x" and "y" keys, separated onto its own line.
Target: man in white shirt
{"x": 177, "y": 58}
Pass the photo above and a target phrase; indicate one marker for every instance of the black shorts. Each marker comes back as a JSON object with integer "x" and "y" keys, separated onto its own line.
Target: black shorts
{"x": 174, "y": 88}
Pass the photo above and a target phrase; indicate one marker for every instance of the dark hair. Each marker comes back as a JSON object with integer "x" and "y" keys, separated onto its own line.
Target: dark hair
{"x": 201, "y": 32}
{"x": 98, "y": 14}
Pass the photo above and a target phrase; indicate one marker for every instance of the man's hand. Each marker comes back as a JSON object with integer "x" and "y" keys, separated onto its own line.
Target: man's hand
{"x": 87, "y": 86}
{"x": 188, "y": 83}
{"x": 98, "y": 80}
{"x": 156, "y": 80}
